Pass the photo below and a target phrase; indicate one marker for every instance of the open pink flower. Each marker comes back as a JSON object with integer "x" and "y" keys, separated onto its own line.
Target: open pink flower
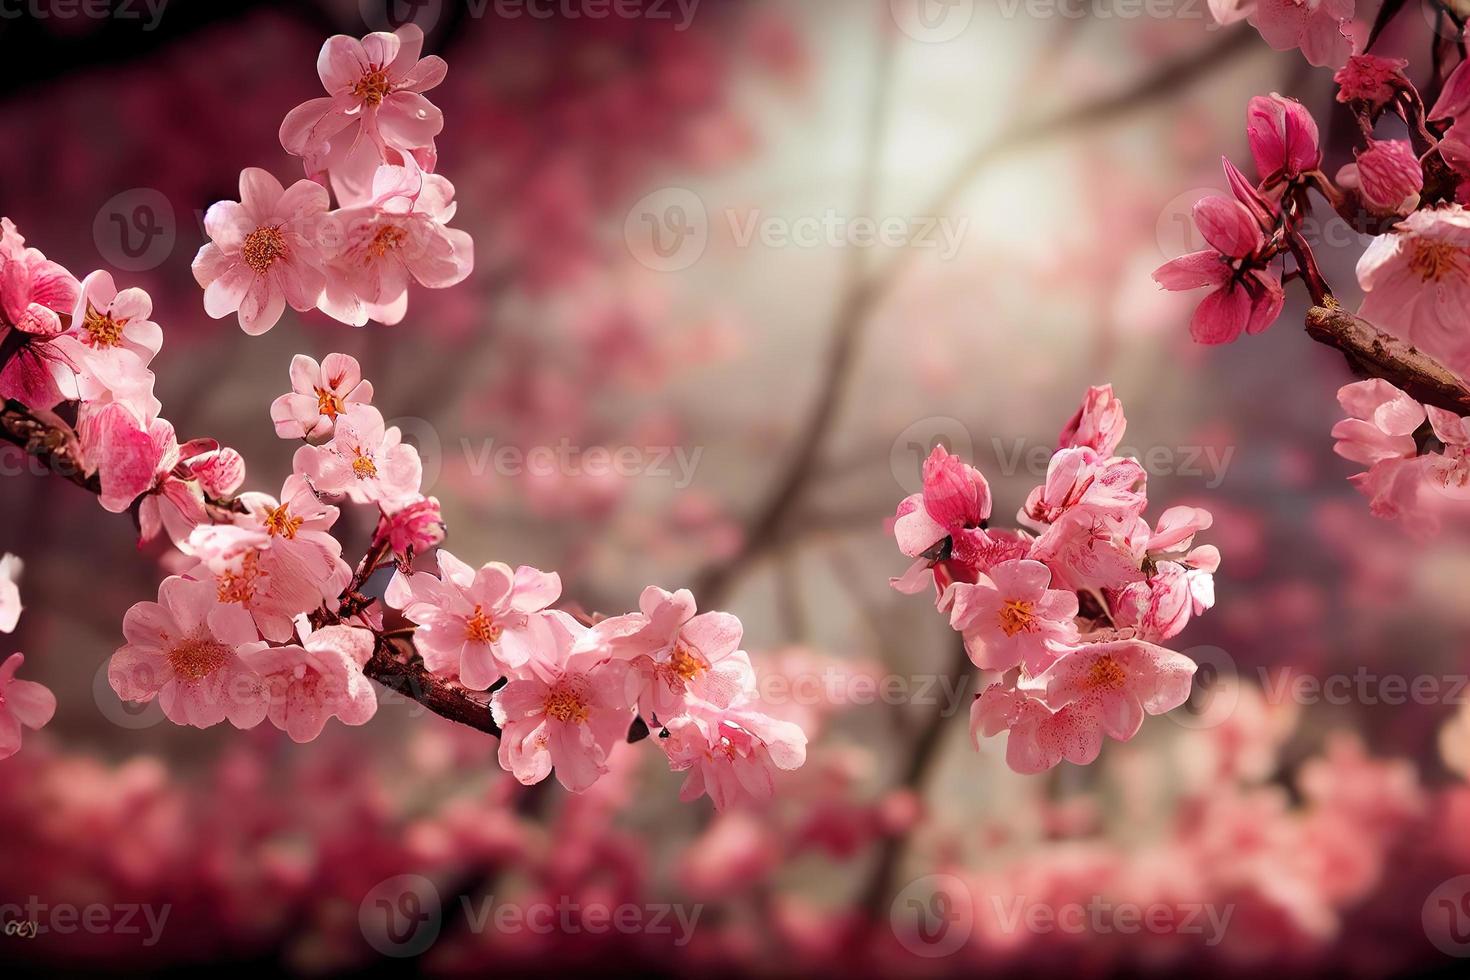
{"x": 1098, "y": 423}
{"x": 10, "y": 604}
{"x": 1318, "y": 27}
{"x": 319, "y": 393}
{"x": 1122, "y": 679}
{"x": 478, "y": 624}
{"x": 190, "y": 652}
{"x": 383, "y": 248}
{"x": 731, "y": 752}
{"x": 568, "y": 711}
{"x": 1247, "y": 295}
{"x": 111, "y": 339}
{"x": 1283, "y": 138}
{"x": 1039, "y": 737}
{"x": 317, "y": 680}
{"x": 375, "y": 111}
{"x": 22, "y": 703}
{"x": 364, "y": 460}
{"x": 672, "y": 650}
{"x": 1417, "y": 281}
{"x": 263, "y": 251}
{"x": 1010, "y": 617}
{"x": 37, "y": 297}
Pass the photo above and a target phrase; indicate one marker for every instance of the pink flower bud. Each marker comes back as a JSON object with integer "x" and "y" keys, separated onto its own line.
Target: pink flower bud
{"x": 418, "y": 525}
{"x": 1390, "y": 177}
{"x": 955, "y": 495}
{"x": 220, "y": 473}
{"x": 1283, "y": 137}
{"x": 1097, "y": 424}
{"x": 1371, "y": 80}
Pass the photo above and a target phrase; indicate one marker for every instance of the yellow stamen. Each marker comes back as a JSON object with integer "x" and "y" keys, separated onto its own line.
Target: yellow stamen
{"x": 388, "y": 238}
{"x": 373, "y": 86}
{"x": 102, "y": 329}
{"x": 363, "y": 466}
{"x": 1016, "y": 617}
{"x": 1107, "y": 673}
{"x": 1432, "y": 261}
{"x": 683, "y": 664}
{"x": 240, "y": 586}
{"x": 281, "y": 521}
{"x": 565, "y": 704}
{"x": 198, "y": 656}
{"x": 262, "y": 247}
{"x": 480, "y": 628}
{"x": 329, "y": 404}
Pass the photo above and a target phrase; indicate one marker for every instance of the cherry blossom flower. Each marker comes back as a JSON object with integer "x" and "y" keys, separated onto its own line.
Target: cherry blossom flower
{"x": 1387, "y": 175}
{"x": 383, "y": 248}
{"x": 955, "y": 496}
{"x": 673, "y": 650}
{"x": 317, "y": 680}
{"x": 220, "y": 470}
{"x": 22, "y": 703}
{"x": 1097, "y": 424}
{"x": 1010, "y": 617}
{"x": 1318, "y": 27}
{"x": 410, "y": 527}
{"x": 319, "y": 394}
{"x": 568, "y": 711}
{"x": 110, "y": 340}
{"x": 35, "y": 294}
{"x": 191, "y": 652}
{"x": 731, "y": 751}
{"x": 1380, "y": 434}
{"x": 478, "y": 624}
{"x": 132, "y": 460}
{"x": 1417, "y": 281}
{"x": 1247, "y": 296}
{"x": 1283, "y": 138}
{"x": 1125, "y": 679}
{"x": 262, "y": 252}
{"x": 1039, "y": 738}
{"x": 375, "y": 110}
{"x": 1372, "y": 81}
{"x": 365, "y": 460}
{"x": 10, "y": 604}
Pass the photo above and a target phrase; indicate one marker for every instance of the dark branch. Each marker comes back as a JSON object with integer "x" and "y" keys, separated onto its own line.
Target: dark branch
{"x": 1371, "y": 352}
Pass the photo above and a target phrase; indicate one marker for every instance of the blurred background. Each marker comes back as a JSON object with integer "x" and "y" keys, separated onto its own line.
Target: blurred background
{"x": 695, "y": 351}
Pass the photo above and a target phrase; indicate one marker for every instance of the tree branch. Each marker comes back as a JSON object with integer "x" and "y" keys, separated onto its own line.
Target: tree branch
{"x": 1371, "y": 352}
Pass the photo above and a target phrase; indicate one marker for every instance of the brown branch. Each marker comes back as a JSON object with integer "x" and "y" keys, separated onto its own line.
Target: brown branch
{"x": 395, "y": 663}
{"x": 1371, "y": 352}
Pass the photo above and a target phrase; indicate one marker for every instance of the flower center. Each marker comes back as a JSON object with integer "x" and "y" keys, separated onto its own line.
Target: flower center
{"x": 373, "y": 86}
{"x": 479, "y": 628}
{"x": 1016, "y": 617}
{"x": 1107, "y": 673}
{"x": 262, "y": 247}
{"x": 683, "y": 664}
{"x": 363, "y": 466}
{"x": 565, "y": 705}
{"x": 329, "y": 404}
{"x": 239, "y": 586}
{"x": 388, "y": 238}
{"x": 1433, "y": 261}
{"x": 198, "y": 656}
{"x": 281, "y": 521}
{"x": 102, "y": 329}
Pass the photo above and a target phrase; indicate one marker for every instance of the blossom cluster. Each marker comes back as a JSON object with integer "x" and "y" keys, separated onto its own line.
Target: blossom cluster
{"x": 371, "y": 140}
{"x": 1408, "y": 191}
{"x": 1071, "y": 608}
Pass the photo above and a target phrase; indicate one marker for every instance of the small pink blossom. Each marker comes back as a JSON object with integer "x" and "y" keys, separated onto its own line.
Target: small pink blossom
{"x": 319, "y": 394}
{"x": 375, "y": 111}
{"x": 955, "y": 496}
{"x": 132, "y": 461}
{"x": 1247, "y": 295}
{"x": 568, "y": 711}
{"x": 384, "y": 248}
{"x": 317, "y": 680}
{"x": 110, "y": 341}
{"x": 1123, "y": 679}
{"x": 1283, "y": 138}
{"x": 1039, "y": 738}
{"x": 262, "y": 252}
{"x": 35, "y": 295}
{"x": 1387, "y": 175}
{"x": 365, "y": 460}
{"x": 478, "y": 624}
{"x": 410, "y": 527}
{"x": 10, "y": 604}
{"x": 1010, "y": 617}
{"x": 1417, "y": 281}
{"x": 1098, "y": 424}
{"x": 22, "y": 703}
{"x": 1381, "y": 423}
{"x": 673, "y": 651}
{"x": 1372, "y": 81}
{"x": 220, "y": 470}
{"x": 191, "y": 653}
{"x": 732, "y": 752}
